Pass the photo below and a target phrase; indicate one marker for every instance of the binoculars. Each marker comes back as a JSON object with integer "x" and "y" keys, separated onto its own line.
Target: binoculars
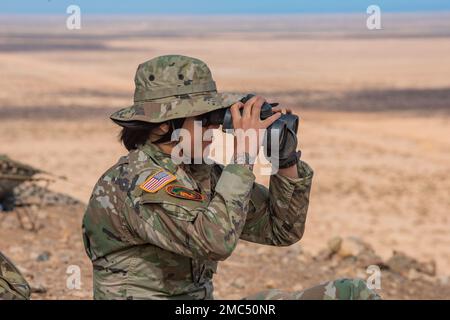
{"x": 284, "y": 128}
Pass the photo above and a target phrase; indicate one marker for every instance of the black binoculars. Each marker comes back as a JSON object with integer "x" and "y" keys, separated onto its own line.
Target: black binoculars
{"x": 284, "y": 128}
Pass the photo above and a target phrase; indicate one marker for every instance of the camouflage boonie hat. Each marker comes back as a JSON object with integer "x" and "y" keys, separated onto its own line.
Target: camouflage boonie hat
{"x": 171, "y": 87}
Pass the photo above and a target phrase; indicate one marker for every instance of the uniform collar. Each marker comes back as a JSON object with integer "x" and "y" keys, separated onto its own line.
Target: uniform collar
{"x": 159, "y": 157}
{"x": 164, "y": 160}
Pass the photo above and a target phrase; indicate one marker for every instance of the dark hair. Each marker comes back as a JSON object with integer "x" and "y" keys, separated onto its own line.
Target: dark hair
{"x": 136, "y": 133}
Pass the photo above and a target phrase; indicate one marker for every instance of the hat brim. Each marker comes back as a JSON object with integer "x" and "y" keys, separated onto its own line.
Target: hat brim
{"x": 177, "y": 107}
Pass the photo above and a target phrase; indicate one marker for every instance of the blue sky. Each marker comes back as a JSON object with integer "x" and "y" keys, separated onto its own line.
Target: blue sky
{"x": 217, "y": 6}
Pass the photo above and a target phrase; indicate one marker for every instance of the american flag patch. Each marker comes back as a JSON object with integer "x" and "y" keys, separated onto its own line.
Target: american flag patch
{"x": 157, "y": 180}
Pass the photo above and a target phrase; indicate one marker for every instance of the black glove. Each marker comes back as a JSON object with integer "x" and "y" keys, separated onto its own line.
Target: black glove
{"x": 288, "y": 154}
{"x": 290, "y": 160}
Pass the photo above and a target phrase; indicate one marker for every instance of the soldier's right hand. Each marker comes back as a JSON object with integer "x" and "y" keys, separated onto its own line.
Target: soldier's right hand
{"x": 249, "y": 128}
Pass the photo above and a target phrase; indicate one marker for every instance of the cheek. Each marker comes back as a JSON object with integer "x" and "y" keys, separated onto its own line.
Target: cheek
{"x": 208, "y": 133}
{"x": 207, "y": 136}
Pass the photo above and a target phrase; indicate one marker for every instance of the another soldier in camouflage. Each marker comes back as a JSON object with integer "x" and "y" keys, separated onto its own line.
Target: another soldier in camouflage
{"x": 13, "y": 285}
{"x": 156, "y": 230}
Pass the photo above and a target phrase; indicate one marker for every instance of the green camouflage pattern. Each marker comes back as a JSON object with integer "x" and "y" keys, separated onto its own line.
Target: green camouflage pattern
{"x": 12, "y": 174}
{"x": 13, "y": 286}
{"x": 173, "y": 86}
{"x": 341, "y": 289}
{"x": 156, "y": 246}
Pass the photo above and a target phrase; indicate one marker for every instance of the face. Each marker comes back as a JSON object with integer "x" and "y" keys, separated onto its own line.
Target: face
{"x": 194, "y": 137}
{"x": 200, "y": 137}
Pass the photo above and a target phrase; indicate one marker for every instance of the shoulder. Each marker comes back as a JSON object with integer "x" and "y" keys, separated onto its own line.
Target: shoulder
{"x": 130, "y": 169}
{"x": 124, "y": 176}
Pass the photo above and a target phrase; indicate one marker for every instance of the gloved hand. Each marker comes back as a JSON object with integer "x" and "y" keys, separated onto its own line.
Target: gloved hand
{"x": 287, "y": 154}
{"x": 291, "y": 160}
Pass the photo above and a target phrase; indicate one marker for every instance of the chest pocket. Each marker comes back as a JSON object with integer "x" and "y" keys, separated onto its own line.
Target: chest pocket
{"x": 178, "y": 208}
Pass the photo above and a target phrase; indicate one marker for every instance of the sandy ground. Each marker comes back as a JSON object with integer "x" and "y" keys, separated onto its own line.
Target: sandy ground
{"x": 382, "y": 176}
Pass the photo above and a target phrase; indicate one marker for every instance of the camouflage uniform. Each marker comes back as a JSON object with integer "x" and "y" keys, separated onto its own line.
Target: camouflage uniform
{"x": 341, "y": 289}
{"x": 12, "y": 284}
{"x": 154, "y": 245}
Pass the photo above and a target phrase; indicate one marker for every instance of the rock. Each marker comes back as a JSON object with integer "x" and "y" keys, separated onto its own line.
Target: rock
{"x": 341, "y": 249}
{"x": 351, "y": 247}
{"x": 323, "y": 255}
{"x": 402, "y": 264}
{"x": 270, "y": 284}
{"x": 238, "y": 283}
{"x": 334, "y": 244}
{"x": 335, "y": 261}
{"x": 428, "y": 268}
{"x": 362, "y": 253}
{"x": 44, "y": 256}
{"x": 38, "y": 288}
{"x": 414, "y": 275}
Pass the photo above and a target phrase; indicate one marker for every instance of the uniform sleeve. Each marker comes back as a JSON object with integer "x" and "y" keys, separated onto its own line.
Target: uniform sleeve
{"x": 210, "y": 232}
{"x": 277, "y": 215}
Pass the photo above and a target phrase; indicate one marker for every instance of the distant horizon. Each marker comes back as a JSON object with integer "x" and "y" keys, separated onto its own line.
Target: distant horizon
{"x": 219, "y": 7}
{"x": 441, "y": 12}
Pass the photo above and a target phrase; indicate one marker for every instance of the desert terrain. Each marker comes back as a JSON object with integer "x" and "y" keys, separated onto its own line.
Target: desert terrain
{"x": 375, "y": 127}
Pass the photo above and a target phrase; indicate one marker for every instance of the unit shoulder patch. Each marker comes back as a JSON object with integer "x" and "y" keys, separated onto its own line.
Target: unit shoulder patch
{"x": 184, "y": 193}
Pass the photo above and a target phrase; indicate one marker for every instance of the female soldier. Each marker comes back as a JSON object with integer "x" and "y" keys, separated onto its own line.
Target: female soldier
{"x": 156, "y": 230}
